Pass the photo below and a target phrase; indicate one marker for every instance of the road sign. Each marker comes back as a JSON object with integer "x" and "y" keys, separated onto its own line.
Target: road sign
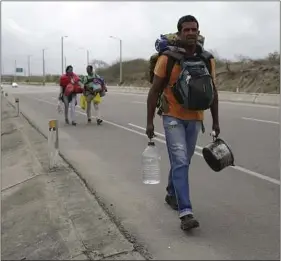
{"x": 19, "y": 70}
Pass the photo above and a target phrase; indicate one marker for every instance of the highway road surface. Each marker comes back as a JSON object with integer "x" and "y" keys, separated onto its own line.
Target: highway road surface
{"x": 238, "y": 208}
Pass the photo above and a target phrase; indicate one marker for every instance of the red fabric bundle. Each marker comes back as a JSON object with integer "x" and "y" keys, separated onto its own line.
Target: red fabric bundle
{"x": 78, "y": 88}
{"x": 69, "y": 87}
{"x": 65, "y": 79}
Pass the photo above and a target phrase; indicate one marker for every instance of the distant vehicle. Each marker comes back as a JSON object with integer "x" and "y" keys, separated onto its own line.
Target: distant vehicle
{"x": 14, "y": 85}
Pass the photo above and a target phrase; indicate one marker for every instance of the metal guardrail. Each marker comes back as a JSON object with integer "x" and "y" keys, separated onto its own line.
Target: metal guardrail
{"x": 257, "y": 98}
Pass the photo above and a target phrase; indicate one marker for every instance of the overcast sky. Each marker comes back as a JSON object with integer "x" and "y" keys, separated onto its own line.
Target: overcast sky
{"x": 231, "y": 28}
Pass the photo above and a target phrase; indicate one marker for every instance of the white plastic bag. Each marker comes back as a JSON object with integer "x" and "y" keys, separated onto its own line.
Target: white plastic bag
{"x": 60, "y": 107}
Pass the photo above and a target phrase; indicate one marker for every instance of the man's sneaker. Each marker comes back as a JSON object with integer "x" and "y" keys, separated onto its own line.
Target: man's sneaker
{"x": 99, "y": 121}
{"x": 66, "y": 121}
{"x": 74, "y": 123}
{"x": 188, "y": 222}
{"x": 89, "y": 120}
{"x": 172, "y": 201}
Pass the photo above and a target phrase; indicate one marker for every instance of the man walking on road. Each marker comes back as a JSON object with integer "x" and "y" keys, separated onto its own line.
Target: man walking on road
{"x": 91, "y": 94}
{"x": 181, "y": 124}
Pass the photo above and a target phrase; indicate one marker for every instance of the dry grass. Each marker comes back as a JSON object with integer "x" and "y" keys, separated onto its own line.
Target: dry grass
{"x": 248, "y": 75}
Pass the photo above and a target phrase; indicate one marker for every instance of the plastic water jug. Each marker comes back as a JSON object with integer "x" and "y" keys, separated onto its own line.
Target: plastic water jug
{"x": 151, "y": 164}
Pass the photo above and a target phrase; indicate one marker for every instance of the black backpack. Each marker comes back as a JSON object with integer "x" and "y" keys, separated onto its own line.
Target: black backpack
{"x": 198, "y": 92}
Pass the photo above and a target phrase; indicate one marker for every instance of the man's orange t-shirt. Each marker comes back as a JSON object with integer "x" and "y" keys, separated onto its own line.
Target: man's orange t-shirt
{"x": 175, "y": 109}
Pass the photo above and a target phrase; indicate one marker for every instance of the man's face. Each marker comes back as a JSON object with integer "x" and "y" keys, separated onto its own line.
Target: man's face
{"x": 89, "y": 70}
{"x": 189, "y": 33}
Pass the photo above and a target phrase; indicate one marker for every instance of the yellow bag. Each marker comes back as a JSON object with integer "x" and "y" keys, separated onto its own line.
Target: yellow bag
{"x": 83, "y": 102}
{"x": 97, "y": 99}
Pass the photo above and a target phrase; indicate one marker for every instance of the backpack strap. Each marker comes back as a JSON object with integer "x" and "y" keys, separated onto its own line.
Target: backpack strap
{"x": 169, "y": 68}
{"x": 173, "y": 58}
{"x": 207, "y": 56}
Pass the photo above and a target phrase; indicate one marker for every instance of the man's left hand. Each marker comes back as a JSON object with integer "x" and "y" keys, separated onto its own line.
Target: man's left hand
{"x": 216, "y": 128}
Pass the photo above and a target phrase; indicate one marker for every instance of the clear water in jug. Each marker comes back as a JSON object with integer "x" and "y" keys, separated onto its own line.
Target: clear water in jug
{"x": 151, "y": 164}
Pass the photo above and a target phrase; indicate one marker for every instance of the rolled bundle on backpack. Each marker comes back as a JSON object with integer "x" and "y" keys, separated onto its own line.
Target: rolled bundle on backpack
{"x": 201, "y": 40}
{"x": 162, "y": 44}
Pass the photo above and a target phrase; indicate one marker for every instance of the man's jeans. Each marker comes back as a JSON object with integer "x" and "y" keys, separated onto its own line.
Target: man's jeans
{"x": 181, "y": 138}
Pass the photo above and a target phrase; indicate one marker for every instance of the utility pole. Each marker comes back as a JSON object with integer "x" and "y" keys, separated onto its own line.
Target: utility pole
{"x": 62, "y": 55}
{"x": 2, "y": 67}
{"x": 15, "y": 74}
{"x": 121, "y": 69}
{"x": 28, "y": 67}
{"x": 120, "y": 46}
{"x": 65, "y": 63}
{"x": 43, "y": 53}
{"x": 88, "y": 58}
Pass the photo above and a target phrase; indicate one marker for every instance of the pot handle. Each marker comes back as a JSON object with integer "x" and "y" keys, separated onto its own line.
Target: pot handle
{"x": 213, "y": 134}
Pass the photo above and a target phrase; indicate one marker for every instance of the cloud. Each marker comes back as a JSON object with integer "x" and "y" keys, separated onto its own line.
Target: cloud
{"x": 16, "y": 28}
{"x": 231, "y": 28}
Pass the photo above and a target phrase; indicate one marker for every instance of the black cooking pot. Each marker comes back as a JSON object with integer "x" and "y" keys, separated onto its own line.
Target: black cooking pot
{"x": 218, "y": 155}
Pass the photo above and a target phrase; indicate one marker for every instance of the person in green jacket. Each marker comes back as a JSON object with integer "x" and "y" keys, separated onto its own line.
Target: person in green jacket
{"x": 90, "y": 94}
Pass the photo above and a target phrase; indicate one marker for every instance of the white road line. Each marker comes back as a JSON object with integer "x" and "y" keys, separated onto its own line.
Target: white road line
{"x": 231, "y": 103}
{"x": 257, "y": 175}
{"x": 116, "y": 91}
{"x": 112, "y": 123}
{"x": 41, "y": 100}
{"x": 262, "y": 106}
{"x": 157, "y": 133}
{"x": 108, "y": 122}
{"x": 252, "y": 173}
{"x": 127, "y": 94}
{"x": 138, "y": 102}
{"x": 251, "y": 105}
{"x": 223, "y": 102}
{"x": 258, "y": 120}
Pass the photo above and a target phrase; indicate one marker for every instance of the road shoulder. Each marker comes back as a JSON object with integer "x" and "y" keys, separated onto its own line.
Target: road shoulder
{"x": 50, "y": 215}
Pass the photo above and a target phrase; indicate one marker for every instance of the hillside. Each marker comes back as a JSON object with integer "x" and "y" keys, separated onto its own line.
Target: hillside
{"x": 248, "y": 75}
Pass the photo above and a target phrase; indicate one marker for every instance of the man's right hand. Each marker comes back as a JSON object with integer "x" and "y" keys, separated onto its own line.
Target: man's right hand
{"x": 150, "y": 130}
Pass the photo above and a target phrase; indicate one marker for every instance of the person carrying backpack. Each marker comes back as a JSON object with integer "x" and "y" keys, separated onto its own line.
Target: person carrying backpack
{"x": 183, "y": 87}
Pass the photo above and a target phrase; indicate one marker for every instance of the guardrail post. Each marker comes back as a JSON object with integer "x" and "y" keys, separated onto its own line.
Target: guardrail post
{"x": 17, "y": 101}
{"x": 53, "y": 143}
